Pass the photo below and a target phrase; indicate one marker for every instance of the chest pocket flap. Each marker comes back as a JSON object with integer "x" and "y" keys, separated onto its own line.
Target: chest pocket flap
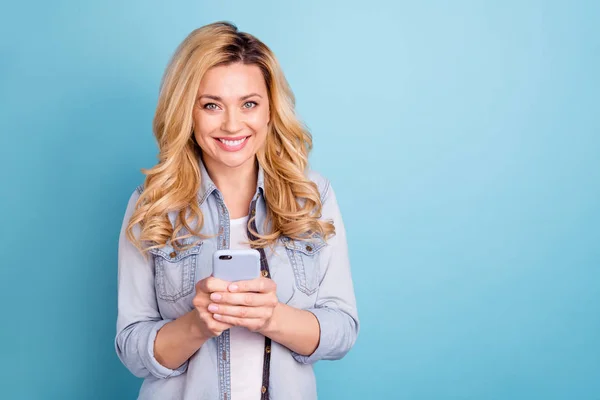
{"x": 304, "y": 259}
{"x": 175, "y": 271}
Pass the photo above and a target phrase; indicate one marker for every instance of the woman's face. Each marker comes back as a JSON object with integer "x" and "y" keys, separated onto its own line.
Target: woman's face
{"x": 231, "y": 115}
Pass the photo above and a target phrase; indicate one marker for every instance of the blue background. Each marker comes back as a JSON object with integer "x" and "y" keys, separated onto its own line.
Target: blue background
{"x": 462, "y": 138}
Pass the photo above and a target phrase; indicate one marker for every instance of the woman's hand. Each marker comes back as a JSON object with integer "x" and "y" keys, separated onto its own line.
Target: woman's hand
{"x": 250, "y": 304}
{"x": 207, "y": 325}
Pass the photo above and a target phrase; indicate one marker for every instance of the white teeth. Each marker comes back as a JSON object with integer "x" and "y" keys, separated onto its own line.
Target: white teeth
{"x": 232, "y": 142}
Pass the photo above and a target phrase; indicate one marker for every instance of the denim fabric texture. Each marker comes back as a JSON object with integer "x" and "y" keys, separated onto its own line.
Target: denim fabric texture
{"x": 311, "y": 274}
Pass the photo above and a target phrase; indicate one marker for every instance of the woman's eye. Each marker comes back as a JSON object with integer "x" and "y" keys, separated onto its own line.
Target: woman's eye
{"x": 250, "y": 104}
{"x": 210, "y": 106}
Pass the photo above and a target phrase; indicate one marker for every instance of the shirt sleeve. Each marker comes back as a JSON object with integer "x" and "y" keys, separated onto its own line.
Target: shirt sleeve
{"x": 335, "y": 307}
{"x": 138, "y": 319}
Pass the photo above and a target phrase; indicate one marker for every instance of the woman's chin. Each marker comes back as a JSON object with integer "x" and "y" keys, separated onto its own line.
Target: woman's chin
{"x": 235, "y": 160}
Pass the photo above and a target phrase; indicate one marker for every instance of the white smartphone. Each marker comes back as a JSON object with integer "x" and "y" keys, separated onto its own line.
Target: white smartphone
{"x": 236, "y": 265}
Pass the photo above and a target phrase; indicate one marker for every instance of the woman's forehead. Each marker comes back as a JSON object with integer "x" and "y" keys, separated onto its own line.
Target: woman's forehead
{"x": 232, "y": 82}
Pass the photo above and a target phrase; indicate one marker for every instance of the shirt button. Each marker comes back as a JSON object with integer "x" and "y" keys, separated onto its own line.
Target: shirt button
{"x": 253, "y": 212}
{"x": 308, "y": 248}
{"x": 265, "y": 273}
{"x": 264, "y": 389}
{"x": 173, "y": 254}
{"x": 268, "y": 349}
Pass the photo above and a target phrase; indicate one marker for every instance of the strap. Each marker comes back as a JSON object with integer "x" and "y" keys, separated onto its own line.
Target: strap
{"x": 264, "y": 269}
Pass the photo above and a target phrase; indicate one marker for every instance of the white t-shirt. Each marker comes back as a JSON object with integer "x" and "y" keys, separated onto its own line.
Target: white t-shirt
{"x": 246, "y": 347}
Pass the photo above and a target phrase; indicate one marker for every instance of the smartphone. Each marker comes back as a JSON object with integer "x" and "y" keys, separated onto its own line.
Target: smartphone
{"x": 236, "y": 265}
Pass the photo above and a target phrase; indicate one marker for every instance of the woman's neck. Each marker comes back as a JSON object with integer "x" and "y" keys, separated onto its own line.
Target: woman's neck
{"x": 237, "y": 185}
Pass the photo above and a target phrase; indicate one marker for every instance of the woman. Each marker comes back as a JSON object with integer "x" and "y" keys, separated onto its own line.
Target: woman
{"x": 232, "y": 173}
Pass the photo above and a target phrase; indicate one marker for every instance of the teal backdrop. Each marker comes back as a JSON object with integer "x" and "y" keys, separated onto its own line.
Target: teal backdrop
{"x": 463, "y": 140}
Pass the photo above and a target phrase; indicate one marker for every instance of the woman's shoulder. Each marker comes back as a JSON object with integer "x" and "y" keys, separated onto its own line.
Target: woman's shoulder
{"x": 139, "y": 190}
{"x": 134, "y": 195}
{"x": 321, "y": 181}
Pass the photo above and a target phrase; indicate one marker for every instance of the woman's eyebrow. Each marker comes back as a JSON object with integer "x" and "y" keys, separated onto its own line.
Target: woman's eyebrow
{"x": 217, "y": 98}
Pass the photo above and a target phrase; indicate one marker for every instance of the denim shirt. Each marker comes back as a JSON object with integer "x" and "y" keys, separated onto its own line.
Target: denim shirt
{"x": 314, "y": 276}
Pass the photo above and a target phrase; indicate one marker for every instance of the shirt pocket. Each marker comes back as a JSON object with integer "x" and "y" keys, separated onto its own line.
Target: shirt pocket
{"x": 304, "y": 258}
{"x": 175, "y": 271}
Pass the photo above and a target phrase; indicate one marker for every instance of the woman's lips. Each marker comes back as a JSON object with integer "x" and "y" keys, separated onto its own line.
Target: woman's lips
{"x": 232, "y": 144}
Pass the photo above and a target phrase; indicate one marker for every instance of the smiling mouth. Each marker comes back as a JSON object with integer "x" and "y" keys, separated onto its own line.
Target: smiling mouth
{"x": 231, "y": 142}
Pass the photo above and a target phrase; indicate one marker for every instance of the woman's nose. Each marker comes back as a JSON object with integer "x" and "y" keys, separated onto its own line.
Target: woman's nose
{"x": 232, "y": 122}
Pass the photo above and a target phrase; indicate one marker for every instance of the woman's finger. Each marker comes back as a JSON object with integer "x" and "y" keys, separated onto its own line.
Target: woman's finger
{"x": 217, "y": 327}
{"x": 258, "y": 285}
{"x": 252, "y": 324}
{"x": 244, "y": 299}
{"x": 211, "y": 284}
{"x": 238, "y": 311}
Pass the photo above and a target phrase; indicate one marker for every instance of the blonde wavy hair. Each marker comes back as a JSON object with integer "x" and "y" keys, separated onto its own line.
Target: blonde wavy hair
{"x": 172, "y": 185}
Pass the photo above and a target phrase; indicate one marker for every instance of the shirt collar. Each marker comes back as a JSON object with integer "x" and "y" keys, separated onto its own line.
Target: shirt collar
{"x": 207, "y": 186}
